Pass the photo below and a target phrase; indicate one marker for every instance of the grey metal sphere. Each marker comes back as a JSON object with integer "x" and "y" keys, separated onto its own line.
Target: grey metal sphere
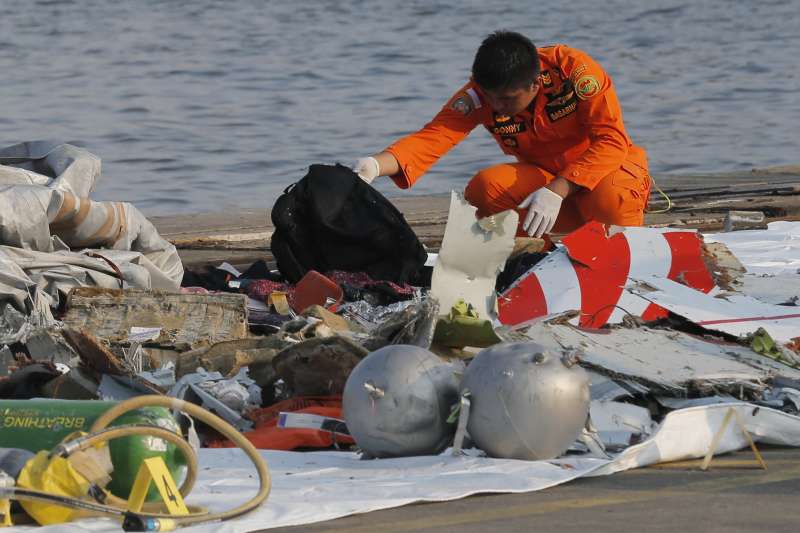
{"x": 526, "y": 403}
{"x": 397, "y": 400}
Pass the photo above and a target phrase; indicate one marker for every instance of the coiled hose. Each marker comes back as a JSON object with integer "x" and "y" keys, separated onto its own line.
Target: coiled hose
{"x": 100, "y": 432}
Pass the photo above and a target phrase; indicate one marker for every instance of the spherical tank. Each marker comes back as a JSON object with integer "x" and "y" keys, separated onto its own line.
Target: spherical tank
{"x": 397, "y": 400}
{"x": 527, "y": 402}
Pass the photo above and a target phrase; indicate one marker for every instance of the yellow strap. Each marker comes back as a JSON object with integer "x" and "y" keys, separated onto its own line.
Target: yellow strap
{"x": 5, "y": 513}
{"x": 280, "y": 302}
{"x": 732, "y": 413}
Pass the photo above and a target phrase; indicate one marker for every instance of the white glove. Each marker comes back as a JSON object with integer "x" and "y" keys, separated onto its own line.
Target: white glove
{"x": 543, "y": 206}
{"x": 367, "y": 168}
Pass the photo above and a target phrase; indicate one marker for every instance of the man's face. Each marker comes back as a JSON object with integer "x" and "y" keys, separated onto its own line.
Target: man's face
{"x": 511, "y": 101}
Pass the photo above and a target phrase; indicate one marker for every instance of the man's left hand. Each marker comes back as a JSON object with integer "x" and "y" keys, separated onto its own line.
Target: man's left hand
{"x": 543, "y": 206}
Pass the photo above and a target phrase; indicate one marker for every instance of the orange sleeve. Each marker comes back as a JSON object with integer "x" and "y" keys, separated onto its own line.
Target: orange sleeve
{"x": 599, "y": 116}
{"x": 417, "y": 152}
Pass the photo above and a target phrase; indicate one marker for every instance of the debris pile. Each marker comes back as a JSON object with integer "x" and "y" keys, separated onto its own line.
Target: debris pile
{"x": 634, "y": 323}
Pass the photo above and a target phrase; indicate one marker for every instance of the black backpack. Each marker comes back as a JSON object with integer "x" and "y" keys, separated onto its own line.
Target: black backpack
{"x": 332, "y": 220}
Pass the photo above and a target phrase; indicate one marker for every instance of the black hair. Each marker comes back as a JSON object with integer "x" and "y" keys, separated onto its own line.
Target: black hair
{"x": 505, "y": 60}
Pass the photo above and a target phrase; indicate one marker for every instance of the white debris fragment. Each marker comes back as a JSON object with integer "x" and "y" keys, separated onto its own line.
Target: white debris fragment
{"x": 473, "y": 253}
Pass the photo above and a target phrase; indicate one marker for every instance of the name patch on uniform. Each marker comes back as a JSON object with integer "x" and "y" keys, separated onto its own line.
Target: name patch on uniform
{"x": 562, "y": 103}
{"x": 506, "y": 128}
{"x": 558, "y": 114}
{"x": 512, "y": 128}
{"x": 504, "y": 125}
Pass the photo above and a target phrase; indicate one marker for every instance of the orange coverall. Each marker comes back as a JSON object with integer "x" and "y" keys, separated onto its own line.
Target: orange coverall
{"x": 573, "y": 128}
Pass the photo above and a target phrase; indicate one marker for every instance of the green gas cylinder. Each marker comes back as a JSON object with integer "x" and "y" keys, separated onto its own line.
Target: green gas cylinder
{"x": 37, "y": 425}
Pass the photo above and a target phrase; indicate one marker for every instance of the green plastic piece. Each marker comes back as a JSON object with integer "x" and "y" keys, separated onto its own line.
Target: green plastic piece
{"x": 463, "y": 327}
{"x": 761, "y": 342}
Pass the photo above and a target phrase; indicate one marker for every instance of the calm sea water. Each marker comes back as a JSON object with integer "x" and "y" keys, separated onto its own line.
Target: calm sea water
{"x": 208, "y": 105}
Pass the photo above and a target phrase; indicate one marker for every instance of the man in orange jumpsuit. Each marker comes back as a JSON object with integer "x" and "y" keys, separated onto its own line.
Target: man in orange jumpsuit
{"x": 555, "y": 110}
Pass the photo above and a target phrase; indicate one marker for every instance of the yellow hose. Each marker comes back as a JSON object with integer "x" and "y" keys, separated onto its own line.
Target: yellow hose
{"x": 215, "y": 422}
{"x": 667, "y": 198}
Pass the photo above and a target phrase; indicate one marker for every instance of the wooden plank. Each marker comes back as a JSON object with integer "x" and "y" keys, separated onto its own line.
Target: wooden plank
{"x": 184, "y": 319}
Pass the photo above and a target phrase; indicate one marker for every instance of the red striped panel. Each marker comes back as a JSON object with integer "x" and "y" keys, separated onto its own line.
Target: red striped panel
{"x": 688, "y": 267}
{"x": 602, "y": 285}
{"x": 511, "y": 312}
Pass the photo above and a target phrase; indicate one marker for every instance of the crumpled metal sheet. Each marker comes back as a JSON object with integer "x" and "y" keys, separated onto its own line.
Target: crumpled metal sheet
{"x": 412, "y": 324}
{"x": 732, "y": 313}
{"x": 371, "y": 316}
{"x": 239, "y": 393}
{"x": 667, "y": 361}
{"x": 14, "y": 326}
{"x": 215, "y": 394}
{"x": 786, "y": 399}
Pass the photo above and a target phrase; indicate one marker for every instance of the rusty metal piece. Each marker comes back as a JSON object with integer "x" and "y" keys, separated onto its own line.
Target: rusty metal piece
{"x": 93, "y": 353}
{"x": 722, "y": 264}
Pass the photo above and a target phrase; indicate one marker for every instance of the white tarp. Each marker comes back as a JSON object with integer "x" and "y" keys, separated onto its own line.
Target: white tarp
{"x": 772, "y": 260}
{"x": 312, "y": 487}
{"x": 55, "y": 165}
{"x": 45, "y": 214}
{"x": 773, "y": 251}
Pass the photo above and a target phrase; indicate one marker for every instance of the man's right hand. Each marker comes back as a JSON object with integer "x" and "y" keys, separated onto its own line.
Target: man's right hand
{"x": 367, "y": 169}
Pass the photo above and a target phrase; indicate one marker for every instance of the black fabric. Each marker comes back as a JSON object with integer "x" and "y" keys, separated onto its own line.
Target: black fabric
{"x": 27, "y": 382}
{"x": 259, "y": 270}
{"x": 216, "y": 279}
{"x": 208, "y": 277}
{"x": 515, "y": 268}
{"x": 377, "y": 294}
{"x": 332, "y": 220}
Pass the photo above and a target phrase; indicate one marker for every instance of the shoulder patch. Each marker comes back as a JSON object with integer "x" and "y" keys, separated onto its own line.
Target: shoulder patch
{"x": 587, "y": 86}
{"x": 462, "y": 104}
